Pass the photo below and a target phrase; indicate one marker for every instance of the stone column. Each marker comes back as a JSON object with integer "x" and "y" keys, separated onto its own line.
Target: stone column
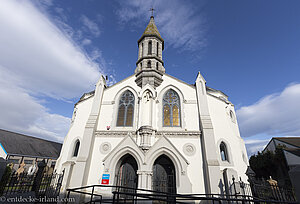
{"x": 145, "y": 180}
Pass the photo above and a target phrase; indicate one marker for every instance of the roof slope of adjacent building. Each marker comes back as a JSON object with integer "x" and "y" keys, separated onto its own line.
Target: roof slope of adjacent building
{"x": 293, "y": 151}
{"x": 295, "y": 141}
{"x": 19, "y": 144}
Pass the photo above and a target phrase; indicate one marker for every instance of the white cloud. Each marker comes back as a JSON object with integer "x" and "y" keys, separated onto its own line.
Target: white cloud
{"x": 276, "y": 114}
{"x": 253, "y": 149}
{"x": 23, "y": 113}
{"x": 257, "y": 144}
{"x": 40, "y": 55}
{"x": 255, "y": 141}
{"x": 90, "y": 25}
{"x": 39, "y": 59}
{"x": 86, "y": 42}
{"x": 179, "y": 23}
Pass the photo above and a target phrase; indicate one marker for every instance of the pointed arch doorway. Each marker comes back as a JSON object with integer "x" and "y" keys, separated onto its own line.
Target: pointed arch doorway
{"x": 126, "y": 173}
{"x": 164, "y": 175}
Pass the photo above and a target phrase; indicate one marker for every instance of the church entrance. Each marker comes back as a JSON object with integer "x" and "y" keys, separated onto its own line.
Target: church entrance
{"x": 127, "y": 174}
{"x": 164, "y": 177}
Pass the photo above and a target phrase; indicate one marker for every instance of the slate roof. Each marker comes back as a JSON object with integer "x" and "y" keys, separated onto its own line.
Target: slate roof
{"x": 294, "y": 151}
{"x": 19, "y": 144}
{"x": 289, "y": 140}
{"x": 151, "y": 30}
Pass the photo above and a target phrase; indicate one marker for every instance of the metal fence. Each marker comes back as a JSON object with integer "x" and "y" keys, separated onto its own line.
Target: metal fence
{"x": 130, "y": 195}
{"x": 44, "y": 185}
{"x": 263, "y": 190}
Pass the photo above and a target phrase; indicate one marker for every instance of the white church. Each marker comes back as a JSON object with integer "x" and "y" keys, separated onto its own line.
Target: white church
{"x": 154, "y": 131}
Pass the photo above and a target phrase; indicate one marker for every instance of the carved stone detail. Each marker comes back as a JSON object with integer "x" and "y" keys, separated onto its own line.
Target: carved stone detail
{"x": 189, "y": 149}
{"x": 145, "y": 133}
{"x": 105, "y": 147}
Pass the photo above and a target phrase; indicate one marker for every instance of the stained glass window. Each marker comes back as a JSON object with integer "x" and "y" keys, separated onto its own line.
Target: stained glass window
{"x": 126, "y": 109}
{"x": 171, "y": 109}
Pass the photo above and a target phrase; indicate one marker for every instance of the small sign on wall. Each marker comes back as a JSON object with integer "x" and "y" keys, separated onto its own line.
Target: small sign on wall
{"x": 105, "y": 179}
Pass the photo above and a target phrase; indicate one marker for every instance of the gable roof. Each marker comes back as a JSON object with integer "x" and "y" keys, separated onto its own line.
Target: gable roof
{"x": 295, "y": 141}
{"x": 19, "y": 144}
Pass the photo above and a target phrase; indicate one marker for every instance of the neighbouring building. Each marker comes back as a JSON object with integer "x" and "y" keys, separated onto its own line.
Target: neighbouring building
{"x": 291, "y": 149}
{"x": 18, "y": 148}
{"x": 154, "y": 131}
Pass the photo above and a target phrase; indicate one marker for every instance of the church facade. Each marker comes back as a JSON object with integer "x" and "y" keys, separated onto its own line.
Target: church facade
{"x": 154, "y": 131}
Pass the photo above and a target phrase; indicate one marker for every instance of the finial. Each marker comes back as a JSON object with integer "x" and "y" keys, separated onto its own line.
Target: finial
{"x": 152, "y": 10}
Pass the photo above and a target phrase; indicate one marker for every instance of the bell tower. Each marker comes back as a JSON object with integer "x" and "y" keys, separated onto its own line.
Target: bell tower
{"x": 150, "y": 66}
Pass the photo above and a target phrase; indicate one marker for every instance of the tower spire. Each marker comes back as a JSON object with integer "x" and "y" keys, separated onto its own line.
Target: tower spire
{"x": 150, "y": 66}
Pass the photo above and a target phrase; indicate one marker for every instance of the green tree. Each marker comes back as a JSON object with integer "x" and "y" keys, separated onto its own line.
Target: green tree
{"x": 5, "y": 179}
{"x": 271, "y": 164}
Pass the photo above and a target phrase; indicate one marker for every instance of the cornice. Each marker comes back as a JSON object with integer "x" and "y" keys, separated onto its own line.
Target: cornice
{"x": 103, "y": 133}
{"x": 149, "y": 57}
{"x": 158, "y": 134}
{"x": 178, "y": 133}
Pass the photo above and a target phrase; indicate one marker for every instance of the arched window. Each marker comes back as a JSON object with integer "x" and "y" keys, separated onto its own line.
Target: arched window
{"x": 157, "y": 65}
{"x": 171, "y": 109}
{"x": 223, "y": 152}
{"x": 142, "y": 49}
{"x": 150, "y": 48}
{"x": 157, "y": 49}
{"x": 126, "y": 109}
{"x": 149, "y": 64}
{"x": 76, "y": 148}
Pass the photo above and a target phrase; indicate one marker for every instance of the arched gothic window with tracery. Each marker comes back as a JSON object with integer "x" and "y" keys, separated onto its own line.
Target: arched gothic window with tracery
{"x": 223, "y": 152}
{"x": 171, "y": 109}
{"x": 126, "y": 109}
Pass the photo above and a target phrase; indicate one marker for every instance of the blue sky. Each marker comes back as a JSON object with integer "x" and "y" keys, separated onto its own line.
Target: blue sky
{"x": 53, "y": 51}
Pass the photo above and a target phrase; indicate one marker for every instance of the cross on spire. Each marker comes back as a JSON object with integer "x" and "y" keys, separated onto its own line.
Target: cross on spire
{"x": 151, "y": 9}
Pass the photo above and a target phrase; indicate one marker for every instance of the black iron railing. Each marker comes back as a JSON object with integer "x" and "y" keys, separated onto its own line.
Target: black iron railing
{"x": 121, "y": 194}
{"x": 263, "y": 190}
{"x": 45, "y": 185}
